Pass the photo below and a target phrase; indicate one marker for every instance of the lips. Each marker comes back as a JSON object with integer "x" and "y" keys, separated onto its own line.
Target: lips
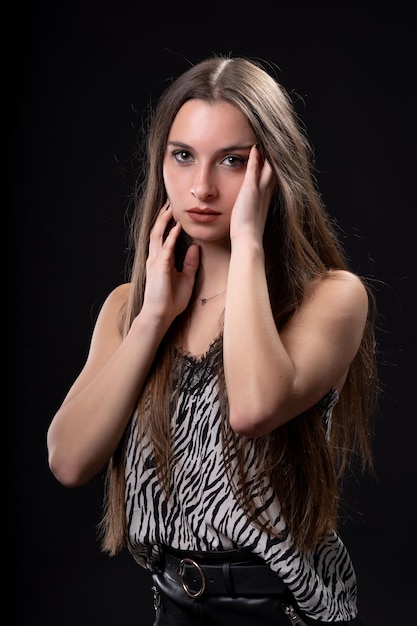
{"x": 203, "y": 216}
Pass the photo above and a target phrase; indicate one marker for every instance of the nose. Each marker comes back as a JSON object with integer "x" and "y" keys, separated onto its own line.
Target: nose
{"x": 203, "y": 184}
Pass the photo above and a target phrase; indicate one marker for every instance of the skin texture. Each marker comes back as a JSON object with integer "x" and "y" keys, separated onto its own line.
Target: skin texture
{"x": 211, "y": 164}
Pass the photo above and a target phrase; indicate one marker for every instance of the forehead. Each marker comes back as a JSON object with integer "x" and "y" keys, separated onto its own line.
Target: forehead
{"x": 198, "y": 121}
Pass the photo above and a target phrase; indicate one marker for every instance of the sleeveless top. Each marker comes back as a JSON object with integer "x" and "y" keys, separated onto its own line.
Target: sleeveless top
{"x": 202, "y": 513}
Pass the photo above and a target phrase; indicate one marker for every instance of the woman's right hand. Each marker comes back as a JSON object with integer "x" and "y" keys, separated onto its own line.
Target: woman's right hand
{"x": 89, "y": 424}
{"x": 168, "y": 291}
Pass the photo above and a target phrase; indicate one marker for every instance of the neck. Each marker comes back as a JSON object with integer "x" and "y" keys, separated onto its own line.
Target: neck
{"x": 213, "y": 271}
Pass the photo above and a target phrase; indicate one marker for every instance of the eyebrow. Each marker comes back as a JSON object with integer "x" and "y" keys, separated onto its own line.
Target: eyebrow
{"x": 185, "y": 146}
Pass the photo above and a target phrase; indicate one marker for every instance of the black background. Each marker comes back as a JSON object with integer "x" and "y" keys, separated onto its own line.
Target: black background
{"x": 81, "y": 74}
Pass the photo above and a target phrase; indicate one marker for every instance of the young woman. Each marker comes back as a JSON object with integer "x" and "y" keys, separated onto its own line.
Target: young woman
{"x": 229, "y": 383}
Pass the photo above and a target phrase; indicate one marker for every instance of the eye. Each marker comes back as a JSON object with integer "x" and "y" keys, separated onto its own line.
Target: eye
{"x": 234, "y": 161}
{"x": 181, "y": 156}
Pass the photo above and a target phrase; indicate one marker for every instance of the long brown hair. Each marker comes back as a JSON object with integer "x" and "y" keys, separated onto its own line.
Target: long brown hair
{"x": 301, "y": 462}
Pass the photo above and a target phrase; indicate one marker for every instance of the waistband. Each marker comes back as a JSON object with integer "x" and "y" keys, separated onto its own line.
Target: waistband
{"x": 222, "y": 573}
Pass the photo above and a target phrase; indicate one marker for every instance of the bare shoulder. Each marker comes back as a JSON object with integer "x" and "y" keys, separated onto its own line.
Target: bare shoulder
{"x": 106, "y": 336}
{"x": 109, "y": 318}
{"x": 346, "y": 284}
{"x": 341, "y": 293}
{"x": 119, "y": 295}
{"x": 330, "y": 322}
{"x": 116, "y": 300}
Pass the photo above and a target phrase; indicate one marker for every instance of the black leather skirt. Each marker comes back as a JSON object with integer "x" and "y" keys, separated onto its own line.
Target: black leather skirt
{"x": 223, "y": 589}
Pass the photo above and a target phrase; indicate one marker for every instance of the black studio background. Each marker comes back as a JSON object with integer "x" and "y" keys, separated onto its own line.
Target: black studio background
{"x": 81, "y": 74}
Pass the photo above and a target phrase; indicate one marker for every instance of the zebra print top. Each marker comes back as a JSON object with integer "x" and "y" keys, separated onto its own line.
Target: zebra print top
{"x": 202, "y": 513}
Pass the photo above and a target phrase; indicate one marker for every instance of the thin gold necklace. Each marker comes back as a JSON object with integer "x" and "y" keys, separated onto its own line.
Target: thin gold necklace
{"x": 205, "y": 300}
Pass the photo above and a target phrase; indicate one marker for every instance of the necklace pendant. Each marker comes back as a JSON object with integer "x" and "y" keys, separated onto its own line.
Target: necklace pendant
{"x": 205, "y": 300}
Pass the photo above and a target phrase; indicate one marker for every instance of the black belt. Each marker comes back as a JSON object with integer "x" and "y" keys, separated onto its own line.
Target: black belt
{"x": 231, "y": 573}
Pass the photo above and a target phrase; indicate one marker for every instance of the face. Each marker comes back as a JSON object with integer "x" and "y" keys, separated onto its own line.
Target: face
{"x": 204, "y": 166}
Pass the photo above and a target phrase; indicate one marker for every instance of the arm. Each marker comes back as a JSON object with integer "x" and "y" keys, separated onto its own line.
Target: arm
{"x": 271, "y": 377}
{"x": 88, "y": 426}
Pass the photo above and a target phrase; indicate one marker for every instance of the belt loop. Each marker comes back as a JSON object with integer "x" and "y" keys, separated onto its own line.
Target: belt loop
{"x": 228, "y": 583}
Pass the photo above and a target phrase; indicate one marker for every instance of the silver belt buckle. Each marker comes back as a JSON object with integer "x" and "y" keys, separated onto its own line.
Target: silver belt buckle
{"x": 191, "y": 594}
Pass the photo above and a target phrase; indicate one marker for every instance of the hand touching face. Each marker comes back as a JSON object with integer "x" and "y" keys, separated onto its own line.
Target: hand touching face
{"x": 252, "y": 203}
{"x": 205, "y": 170}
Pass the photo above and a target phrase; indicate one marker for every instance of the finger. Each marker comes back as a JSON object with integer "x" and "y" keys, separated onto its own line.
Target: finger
{"x": 162, "y": 220}
{"x": 267, "y": 175}
{"x": 191, "y": 261}
{"x": 252, "y": 167}
{"x": 164, "y": 213}
{"x": 156, "y": 236}
{"x": 171, "y": 238}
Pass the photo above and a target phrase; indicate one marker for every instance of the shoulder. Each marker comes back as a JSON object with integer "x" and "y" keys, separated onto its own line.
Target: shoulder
{"x": 113, "y": 307}
{"x": 118, "y": 297}
{"x": 341, "y": 293}
{"x": 338, "y": 295}
{"x": 346, "y": 285}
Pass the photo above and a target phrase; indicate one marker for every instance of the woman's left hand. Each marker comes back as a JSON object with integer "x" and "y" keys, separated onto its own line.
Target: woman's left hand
{"x": 251, "y": 207}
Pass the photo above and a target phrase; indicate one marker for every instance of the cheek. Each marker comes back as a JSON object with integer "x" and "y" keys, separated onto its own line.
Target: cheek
{"x": 166, "y": 177}
{"x": 231, "y": 190}
{"x": 173, "y": 182}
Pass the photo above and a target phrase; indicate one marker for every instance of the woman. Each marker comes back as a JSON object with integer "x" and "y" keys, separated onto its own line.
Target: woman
{"x": 230, "y": 381}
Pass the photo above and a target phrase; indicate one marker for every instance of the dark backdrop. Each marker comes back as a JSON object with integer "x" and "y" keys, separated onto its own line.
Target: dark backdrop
{"x": 81, "y": 74}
